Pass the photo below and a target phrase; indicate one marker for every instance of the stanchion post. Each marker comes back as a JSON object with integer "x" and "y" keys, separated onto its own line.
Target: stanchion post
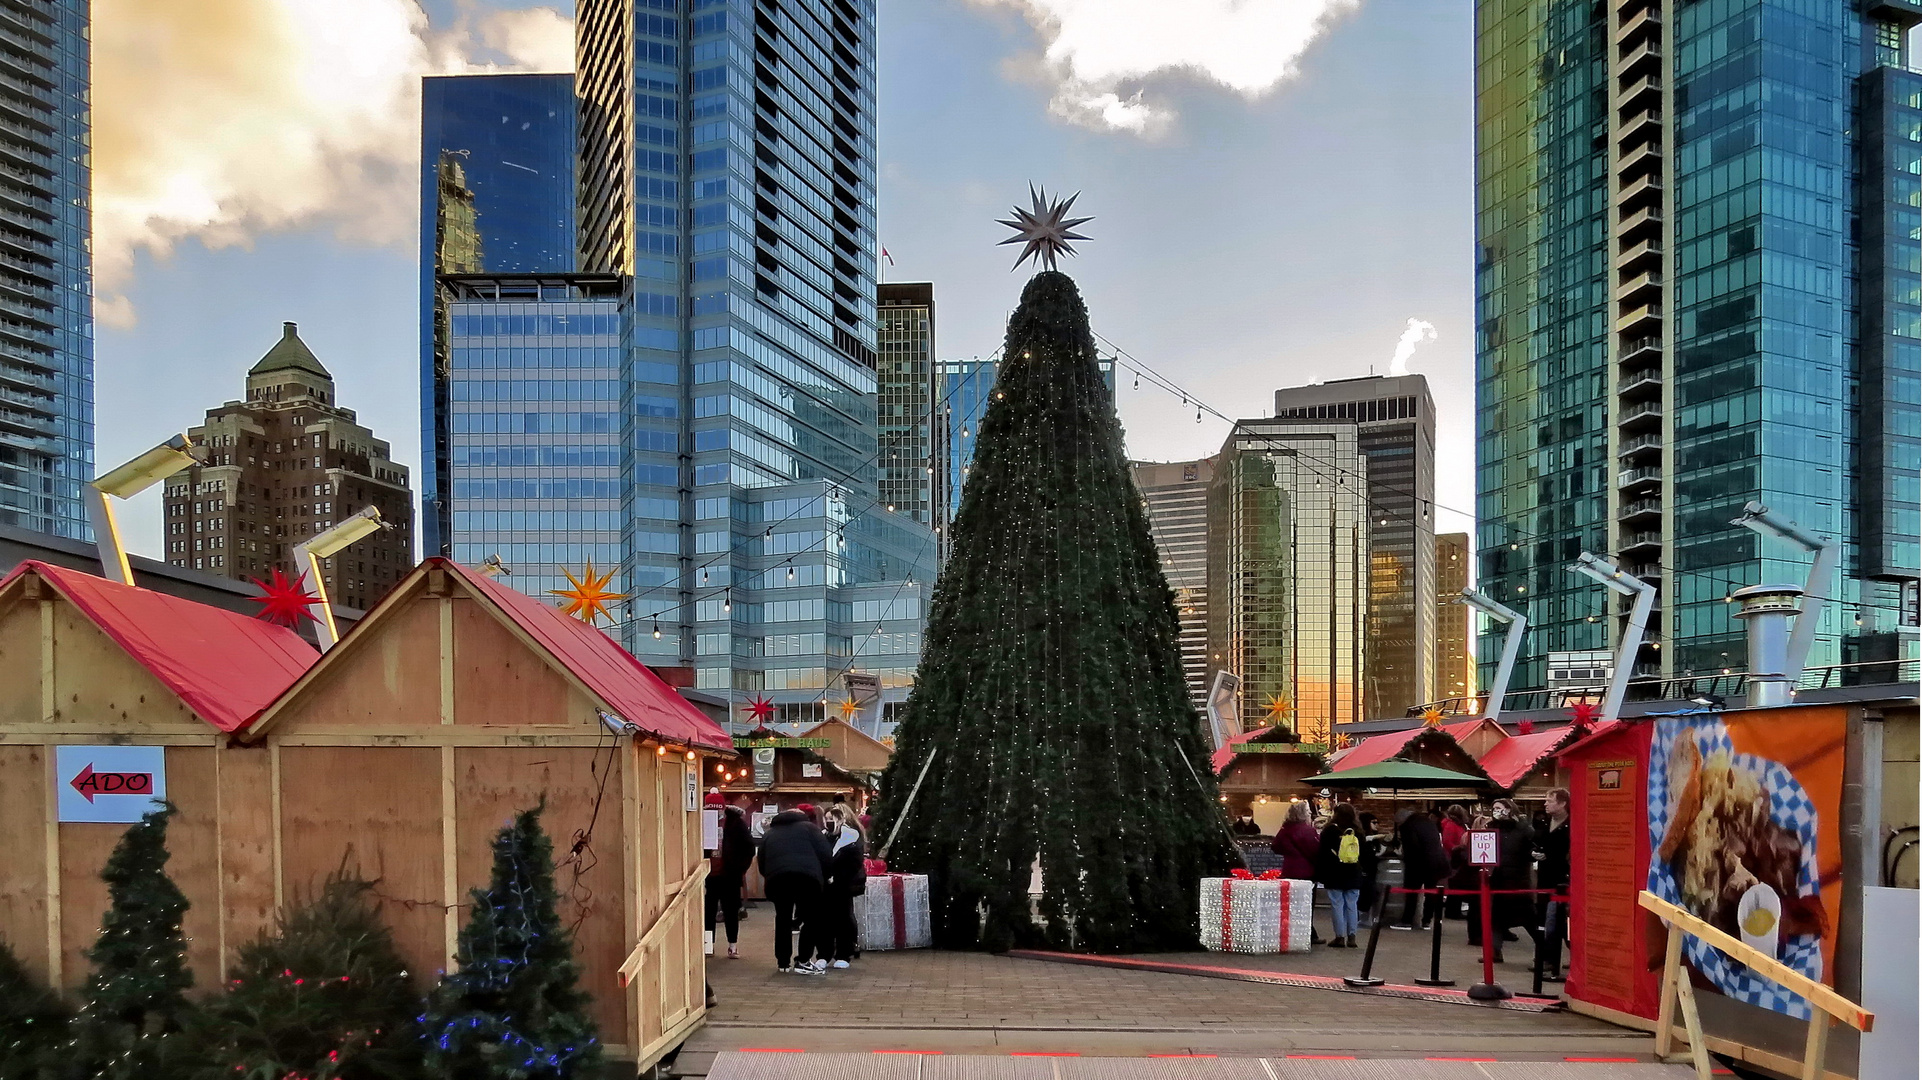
{"x": 1434, "y": 952}
{"x": 1488, "y": 989}
{"x": 1541, "y": 944}
{"x": 1374, "y": 935}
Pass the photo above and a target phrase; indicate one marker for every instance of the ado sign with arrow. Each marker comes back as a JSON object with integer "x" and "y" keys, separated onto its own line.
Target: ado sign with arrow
{"x": 90, "y": 783}
{"x": 109, "y": 783}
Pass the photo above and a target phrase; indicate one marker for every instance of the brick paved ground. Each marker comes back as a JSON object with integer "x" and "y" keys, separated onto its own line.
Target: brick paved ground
{"x": 972, "y": 1002}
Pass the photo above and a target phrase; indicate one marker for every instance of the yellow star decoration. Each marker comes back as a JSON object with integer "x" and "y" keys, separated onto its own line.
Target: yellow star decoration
{"x": 588, "y": 599}
{"x": 1278, "y": 710}
{"x": 848, "y": 708}
{"x": 1431, "y": 717}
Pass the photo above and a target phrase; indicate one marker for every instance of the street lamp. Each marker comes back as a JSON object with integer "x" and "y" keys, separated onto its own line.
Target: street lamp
{"x": 1615, "y": 580}
{"x": 125, "y": 482}
{"x": 1517, "y": 623}
{"x": 307, "y": 556}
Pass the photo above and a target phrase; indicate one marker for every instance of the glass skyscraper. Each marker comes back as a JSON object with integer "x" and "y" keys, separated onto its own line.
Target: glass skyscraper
{"x": 1696, "y": 288}
{"x": 1175, "y": 494}
{"x": 727, "y": 172}
{"x": 965, "y": 389}
{"x": 1288, "y": 571}
{"x": 497, "y": 197}
{"x": 1394, "y": 418}
{"x": 914, "y": 473}
{"x": 46, "y": 272}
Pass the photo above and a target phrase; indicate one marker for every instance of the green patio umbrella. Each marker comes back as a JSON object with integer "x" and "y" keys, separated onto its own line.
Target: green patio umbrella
{"x": 1396, "y": 774}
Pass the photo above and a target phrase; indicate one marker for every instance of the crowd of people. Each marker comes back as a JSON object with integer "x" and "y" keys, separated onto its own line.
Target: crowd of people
{"x": 1345, "y": 851}
{"x": 813, "y": 864}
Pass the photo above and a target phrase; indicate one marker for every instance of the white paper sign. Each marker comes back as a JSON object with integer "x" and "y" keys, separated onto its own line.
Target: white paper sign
{"x": 1484, "y": 847}
{"x": 810, "y": 771}
{"x": 690, "y": 788}
{"x": 116, "y": 784}
{"x": 710, "y": 829}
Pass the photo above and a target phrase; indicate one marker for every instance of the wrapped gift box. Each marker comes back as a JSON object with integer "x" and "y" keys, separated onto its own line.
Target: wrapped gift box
{"x": 893, "y": 913}
{"x": 1256, "y": 915}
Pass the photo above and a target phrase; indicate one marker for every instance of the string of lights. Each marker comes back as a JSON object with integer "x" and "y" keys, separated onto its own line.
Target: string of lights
{"x": 1425, "y": 523}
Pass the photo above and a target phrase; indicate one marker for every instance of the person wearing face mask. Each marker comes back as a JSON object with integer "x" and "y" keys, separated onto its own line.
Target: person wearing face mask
{"x": 847, "y": 878}
{"x": 1515, "y": 871}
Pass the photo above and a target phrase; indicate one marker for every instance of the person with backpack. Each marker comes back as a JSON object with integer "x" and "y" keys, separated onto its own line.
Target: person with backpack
{"x": 847, "y": 879}
{"x": 1338, "y": 868}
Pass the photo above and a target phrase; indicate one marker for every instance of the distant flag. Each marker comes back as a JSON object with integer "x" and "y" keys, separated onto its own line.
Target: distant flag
{"x": 888, "y": 257}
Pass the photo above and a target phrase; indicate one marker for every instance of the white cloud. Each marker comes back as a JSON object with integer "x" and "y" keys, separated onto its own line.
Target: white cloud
{"x": 1099, "y": 49}
{"x": 1416, "y": 332}
{"x": 220, "y": 120}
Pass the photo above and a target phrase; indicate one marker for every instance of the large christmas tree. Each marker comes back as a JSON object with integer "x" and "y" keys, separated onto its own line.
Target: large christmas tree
{"x": 513, "y": 1009}
{"x": 1050, "y": 693}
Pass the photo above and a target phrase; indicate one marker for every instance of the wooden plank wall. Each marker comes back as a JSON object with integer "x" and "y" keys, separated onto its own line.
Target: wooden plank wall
{"x": 378, "y": 809}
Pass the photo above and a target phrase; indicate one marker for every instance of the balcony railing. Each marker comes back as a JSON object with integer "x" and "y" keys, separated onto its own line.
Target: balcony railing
{"x": 1635, "y": 477}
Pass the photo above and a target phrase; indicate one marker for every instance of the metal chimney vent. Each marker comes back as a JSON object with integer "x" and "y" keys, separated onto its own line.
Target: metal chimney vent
{"x": 1767, "y": 610}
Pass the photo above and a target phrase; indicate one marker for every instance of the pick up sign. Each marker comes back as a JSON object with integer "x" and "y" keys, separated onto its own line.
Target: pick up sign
{"x": 115, "y": 784}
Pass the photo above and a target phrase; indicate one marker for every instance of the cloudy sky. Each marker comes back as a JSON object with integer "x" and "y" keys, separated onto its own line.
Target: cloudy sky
{"x": 1282, "y": 192}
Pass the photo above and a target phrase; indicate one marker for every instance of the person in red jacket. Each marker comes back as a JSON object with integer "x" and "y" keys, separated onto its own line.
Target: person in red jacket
{"x": 1298, "y": 843}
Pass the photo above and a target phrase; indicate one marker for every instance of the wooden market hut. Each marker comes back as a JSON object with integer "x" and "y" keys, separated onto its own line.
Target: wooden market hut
{"x": 1260, "y": 771}
{"x": 86, "y": 662}
{"x": 399, "y": 754}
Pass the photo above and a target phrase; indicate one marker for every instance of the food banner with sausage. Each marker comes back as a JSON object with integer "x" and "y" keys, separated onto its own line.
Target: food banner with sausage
{"x": 1743, "y": 820}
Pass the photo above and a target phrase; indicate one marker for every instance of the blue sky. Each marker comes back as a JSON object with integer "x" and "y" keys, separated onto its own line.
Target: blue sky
{"x": 1246, "y": 243}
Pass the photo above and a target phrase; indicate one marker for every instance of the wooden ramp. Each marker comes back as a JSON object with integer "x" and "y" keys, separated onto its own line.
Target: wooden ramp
{"x": 736, "y": 1065}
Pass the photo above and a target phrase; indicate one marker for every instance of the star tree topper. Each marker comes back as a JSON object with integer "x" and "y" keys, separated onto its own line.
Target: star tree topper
{"x": 1046, "y": 229}
{"x": 589, "y": 597}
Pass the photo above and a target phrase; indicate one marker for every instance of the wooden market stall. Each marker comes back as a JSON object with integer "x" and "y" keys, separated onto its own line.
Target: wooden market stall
{"x": 456, "y": 702}
{"x": 1259, "y": 773}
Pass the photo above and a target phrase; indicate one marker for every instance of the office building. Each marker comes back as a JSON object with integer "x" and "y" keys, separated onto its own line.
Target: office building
{"x": 46, "y": 271}
{"x": 913, "y": 434}
{"x": 497, "y": 197}
{"x": 1695, "y": 289}
{"x": 966, "y": 386}
{"x": 533, "y": 420}
{"x": 1394, "y": 419}
{"x": 1288, "y": 572}
{"x": 282, "y": 466}
{"x": 726, "y": 174}
{"x": 1176, "y": 496}
{"x": 1455, "y": 675}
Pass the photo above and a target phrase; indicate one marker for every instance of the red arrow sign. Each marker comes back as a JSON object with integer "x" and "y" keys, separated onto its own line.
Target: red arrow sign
{"x": 90, "y": 783}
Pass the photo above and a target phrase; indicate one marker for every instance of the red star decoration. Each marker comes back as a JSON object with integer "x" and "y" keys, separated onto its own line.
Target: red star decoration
{"x": 1584, "y": 713}
{"x": 761, "y": 709}
{"x": 1526, "y": 727}
{"x": 284, "y": 601}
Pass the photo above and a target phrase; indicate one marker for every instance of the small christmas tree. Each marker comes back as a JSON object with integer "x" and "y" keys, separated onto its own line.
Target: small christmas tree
{"x": 33, "y": 1021}
{"x": 1050, "y": 696}
{"x": 134, "y": 1007}
{"x": 324, "y": 997}
{"x": 511, "y": 1008}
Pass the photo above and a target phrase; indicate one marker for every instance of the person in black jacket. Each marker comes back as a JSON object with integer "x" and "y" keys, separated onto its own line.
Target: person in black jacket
{"x": 847, "y": 879}
{"x": 1423, "y": 866}
{"x": 1515, "y": 871}
{"x": 1553, "y": 873}
{"x": 727, "y": 872}
{"x": 794, "y": 859}
{"x": 1340, "y": 876}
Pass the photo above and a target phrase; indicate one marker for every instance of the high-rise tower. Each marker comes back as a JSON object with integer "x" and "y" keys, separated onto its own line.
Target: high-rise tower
{"x": 726, "y": 173}
{"x": 1288, "y": 533}
{"x": 1394, "y": 419}
{"x": 1696, "y": 289}
{"x": 46, "y": 270}
{"x": 1176, "y": 495}
{"x": 497, "y": 198}
{"x": 914, "y": 466}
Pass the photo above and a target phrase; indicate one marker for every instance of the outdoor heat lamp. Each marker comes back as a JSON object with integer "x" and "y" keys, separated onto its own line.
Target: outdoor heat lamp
{"x": 1610, "y": 575}
{"x": 125, "y": 482}
{"x": 1517, "y": 624}
{"x": 1775, "y": 664}
{"x": 307, "y": 556}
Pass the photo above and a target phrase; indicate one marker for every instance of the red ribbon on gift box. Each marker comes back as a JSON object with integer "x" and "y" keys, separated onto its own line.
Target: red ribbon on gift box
{"x": 899, "y": 885}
